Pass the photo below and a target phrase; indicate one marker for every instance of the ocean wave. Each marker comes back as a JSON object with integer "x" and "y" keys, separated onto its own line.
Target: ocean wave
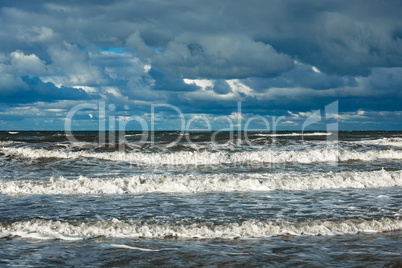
{"x": 293, "y": 134}
{"x": 42, "y": 229}
{"x": 134, "y": 135}
{"x": 394, "y": 142}
{"x": 190, "y": 183}
{"x": 2, "y": 143}
{"x": 200, "y": 158}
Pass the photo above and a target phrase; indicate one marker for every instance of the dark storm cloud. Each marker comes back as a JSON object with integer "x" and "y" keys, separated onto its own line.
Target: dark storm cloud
{"x": 164, "y": 82}
{"x": 221, "y": 87}
{"x": 303, "y": 76}
{"x": 225, "y": 39}
{"x": 32, "y": 89}
{"x": 226, "y": 57}
{"x": 290, "y": 54}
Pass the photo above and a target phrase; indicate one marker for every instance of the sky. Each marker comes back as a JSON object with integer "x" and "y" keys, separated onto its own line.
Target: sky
{"x": 200, "y": 64}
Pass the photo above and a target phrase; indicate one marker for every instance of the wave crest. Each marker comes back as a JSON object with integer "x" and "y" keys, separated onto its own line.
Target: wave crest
{"x": 190, "y": 183}
{"x": 201, "y": 158}
{"x": 42, "y": 229}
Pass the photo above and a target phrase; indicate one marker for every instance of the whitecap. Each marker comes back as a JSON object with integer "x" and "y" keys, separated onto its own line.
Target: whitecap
{"x": 190, "y": 183}
{"x": 41, "y": 229}
{"x": 293, "y": 134}
{"x": 393, "y": 142}
{"x": 132, "y": 248}
{"x": 204, "y": 158}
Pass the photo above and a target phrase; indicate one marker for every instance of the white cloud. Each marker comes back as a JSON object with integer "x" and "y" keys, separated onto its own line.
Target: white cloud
{"x": 202, "y": 83}
{"x": 27, "y": 64}
{"x": 236, "y": 116}
{"x": 315, "y": 69}
{"x": 113, "y": 91}
{"x": 87, "y": 89}
{"x": 75, "y": 66}
{"x": 147, "y": 67}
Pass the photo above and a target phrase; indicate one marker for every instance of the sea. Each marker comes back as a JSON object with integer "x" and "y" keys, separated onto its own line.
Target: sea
{"x": 201, "y": 199}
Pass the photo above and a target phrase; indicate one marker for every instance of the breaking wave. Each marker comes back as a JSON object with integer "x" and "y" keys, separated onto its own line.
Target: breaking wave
{"x": 293, "y": 134}
{"x": 394, "y": 142}
{"x": 42, "y": 229}
{"x": 200, "y": 158}
{"x": 190, "y": 183}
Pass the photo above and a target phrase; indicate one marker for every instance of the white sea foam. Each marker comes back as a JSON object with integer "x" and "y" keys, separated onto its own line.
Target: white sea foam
{"x": 394, "y": 141}
{"x": 190, "y": 183}
{"x": 211, "y": 158}
{"x": 8, "y": 142}
{"x": 41, "y": 229}
{"x": 293, "y": 134}
{"x": 130, "y": 247}
{"x": 134, "y": 135}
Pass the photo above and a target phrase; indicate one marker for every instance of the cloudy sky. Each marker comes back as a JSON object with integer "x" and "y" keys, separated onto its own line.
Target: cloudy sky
{"x": 275, "y": 58}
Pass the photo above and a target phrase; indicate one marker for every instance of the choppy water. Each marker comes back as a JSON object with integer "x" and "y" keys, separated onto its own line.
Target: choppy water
{"x": 195, "y": 199}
